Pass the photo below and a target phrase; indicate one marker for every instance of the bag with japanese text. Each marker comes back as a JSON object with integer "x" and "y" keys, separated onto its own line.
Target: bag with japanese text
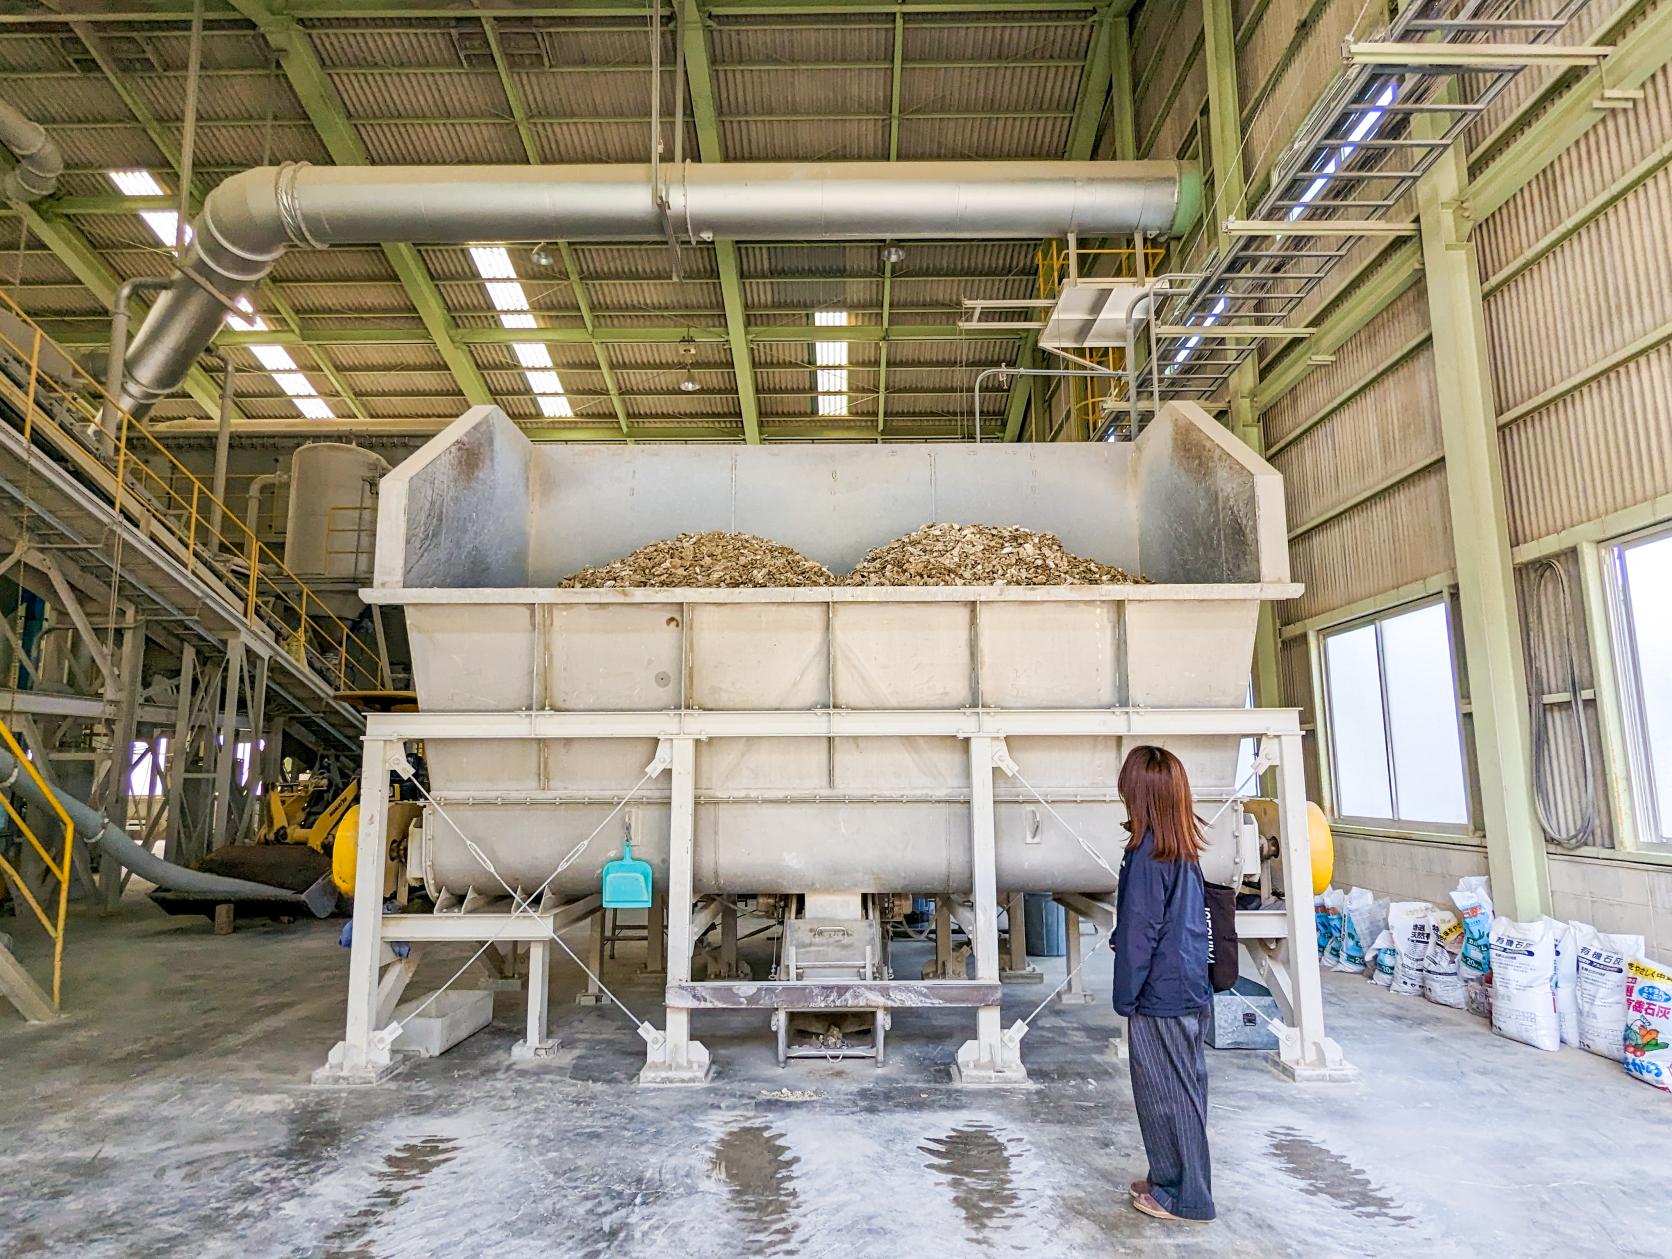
{"x": 1327, "y": 908}
{"x": 1648, "y": 1030}
{"x": 1358, "y": 929}
{"x": 1523, "y": 982}
{"x": 1601, "y": 961}
{"x": 1408, "y": 920}
{"x": 1383, "y": 955}
{"x": 1441, "y": 982}
{"x": 1567, "y": 979}
{"x": 1474, "y": 963}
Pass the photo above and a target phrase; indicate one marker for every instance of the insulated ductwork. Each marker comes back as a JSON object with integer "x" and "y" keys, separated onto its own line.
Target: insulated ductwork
{"x": 39, "y": 163}
{"x": 96, "y": 831}
{"x": 252, "y": 218}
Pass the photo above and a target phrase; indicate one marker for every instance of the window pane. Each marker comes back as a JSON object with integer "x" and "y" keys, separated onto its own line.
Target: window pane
{"x": 1648, "y": 571}
{"x": 1356, "y": 733}
{"x": 1422, "y": 715}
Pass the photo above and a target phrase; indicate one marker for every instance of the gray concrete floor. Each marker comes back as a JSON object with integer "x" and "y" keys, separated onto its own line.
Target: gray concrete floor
{"x": 170, "y": 1113}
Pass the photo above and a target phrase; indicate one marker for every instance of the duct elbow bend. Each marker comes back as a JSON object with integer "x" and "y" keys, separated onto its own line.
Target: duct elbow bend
{"x": 242, "y": 230}
{"x": 39, "y": 161}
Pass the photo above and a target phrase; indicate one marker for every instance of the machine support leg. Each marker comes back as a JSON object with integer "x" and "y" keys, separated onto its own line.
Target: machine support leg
{"x": 941, "y": 967}
{"x": 673, "y": 1057}
{"x": 1304, "y": 1052}
{"x": 991, "y": 1058}
{"x": 594, "y": 994}
{"x": 728, "y": 943}
{"x": 655, "y": 929}
{"x": 1017, "y": 970}
{"x": 362, "y": 1056}
{"x": 1075, "y": 993}
{"x": 539, "y": 1042}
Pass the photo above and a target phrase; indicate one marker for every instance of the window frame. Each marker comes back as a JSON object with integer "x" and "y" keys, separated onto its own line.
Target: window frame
{"x": 1396, "y": 826}
{"x": 1627, "y": 669}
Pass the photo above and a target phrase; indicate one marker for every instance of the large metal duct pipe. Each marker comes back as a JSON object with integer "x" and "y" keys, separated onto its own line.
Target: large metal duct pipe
{"x": 97, "y": 831}
{"x": 252, "y": 218}
{"x": 39, "y": 163}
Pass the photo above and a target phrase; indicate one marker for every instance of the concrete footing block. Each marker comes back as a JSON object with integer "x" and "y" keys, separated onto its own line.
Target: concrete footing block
{"x": 525, "y": 1051}
{"x": 449, "y": 1018}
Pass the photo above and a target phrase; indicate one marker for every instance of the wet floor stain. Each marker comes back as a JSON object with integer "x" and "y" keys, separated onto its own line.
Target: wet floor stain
{"x": 977, "y": 1161}
{"x": 402, "y": 1171}
{"x": 759, "y": 1172}
{"x": 1331, "y": 1176}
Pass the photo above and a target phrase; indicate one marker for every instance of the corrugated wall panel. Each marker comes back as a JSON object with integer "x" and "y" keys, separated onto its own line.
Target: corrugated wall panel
{"x": 1397, "y": 538}
{"x": 1390, "y": 427}
{"x": 1601, "y": 290}
{"x": 1618, "y": 142}
{"x": 1364, "y": 352}
{"x": 1316, "y": 60}
{"x": 1600, "y": 449}
{"x": 1167, "y": 36}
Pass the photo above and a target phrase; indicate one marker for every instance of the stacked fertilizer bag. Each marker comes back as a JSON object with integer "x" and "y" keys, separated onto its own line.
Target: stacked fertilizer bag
{"x": 1474, "y": 963}
{"x": 1524, "y": 982}
{"x": 1543, "y": 983}
{"x": 1647, "y": 1040}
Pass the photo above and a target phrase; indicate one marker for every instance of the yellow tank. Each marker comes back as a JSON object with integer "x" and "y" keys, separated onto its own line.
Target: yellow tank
{"x": 345, "y": 845}
{"x": 1322, "y": 839}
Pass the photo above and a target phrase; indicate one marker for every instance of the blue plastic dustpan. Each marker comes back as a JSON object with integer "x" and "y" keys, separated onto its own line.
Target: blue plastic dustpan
{"x": 627, "y": 881}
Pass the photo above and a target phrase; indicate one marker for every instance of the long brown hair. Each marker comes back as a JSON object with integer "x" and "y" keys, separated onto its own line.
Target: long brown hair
{"x": 1157, "y": 794}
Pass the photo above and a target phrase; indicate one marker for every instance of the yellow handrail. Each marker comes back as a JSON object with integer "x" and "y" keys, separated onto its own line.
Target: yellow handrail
{"x": 151, "y": 482}
{"x": 60, "y": 870}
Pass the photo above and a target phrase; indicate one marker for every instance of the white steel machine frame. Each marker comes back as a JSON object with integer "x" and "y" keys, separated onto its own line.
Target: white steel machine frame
{"x": 1278, "y": 946}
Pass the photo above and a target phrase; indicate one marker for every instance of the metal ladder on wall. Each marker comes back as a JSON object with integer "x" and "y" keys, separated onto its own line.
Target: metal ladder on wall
{"x": 47, "y": 896}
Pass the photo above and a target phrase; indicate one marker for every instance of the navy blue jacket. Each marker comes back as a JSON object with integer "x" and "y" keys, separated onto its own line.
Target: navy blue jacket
{"x": 1161, "y": 936}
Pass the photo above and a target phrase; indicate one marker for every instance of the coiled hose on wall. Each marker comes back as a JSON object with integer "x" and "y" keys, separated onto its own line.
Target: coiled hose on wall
{"x": 1544, "y": 572}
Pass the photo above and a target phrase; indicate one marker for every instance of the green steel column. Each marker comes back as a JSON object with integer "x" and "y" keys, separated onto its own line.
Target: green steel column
{"x": 1230, "y": 192}
{"x": 1480, "y": 536}
{"x": 699, "y": 77}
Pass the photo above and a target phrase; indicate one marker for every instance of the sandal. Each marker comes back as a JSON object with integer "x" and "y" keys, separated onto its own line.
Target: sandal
{"x": 1139, "y": 1188}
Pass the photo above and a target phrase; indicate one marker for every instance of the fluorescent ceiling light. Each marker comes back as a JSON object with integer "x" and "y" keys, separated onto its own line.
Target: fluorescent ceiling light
{"x": 507, "y": 295}
{"x": 275, "y": 358}
{"x": 492, "y": 262}
{"x": 135, "y": 183}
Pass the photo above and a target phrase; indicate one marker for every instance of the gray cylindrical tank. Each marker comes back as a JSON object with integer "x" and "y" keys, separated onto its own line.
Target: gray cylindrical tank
{"x": 331, "y": 526}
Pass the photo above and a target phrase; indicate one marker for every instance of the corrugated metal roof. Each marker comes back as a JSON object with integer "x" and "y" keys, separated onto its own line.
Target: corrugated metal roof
{"x": 419, "y": 94}
{"x": 376, "y": 358}
{"x": 1027, "y": 36}
{"x": 807, "y": 87}
{"x": 834, "y": 37}
{"x": 646, "y": 262}
{"x": 808, "y": 139}
{"x": 973, "y": 139}
{"x": 463, "y": 143}
{"x": 298, "y": 266}
{"x": 594, "y": 93}
{"x": 984, "y": 89}
{"x": 802, "y": 91}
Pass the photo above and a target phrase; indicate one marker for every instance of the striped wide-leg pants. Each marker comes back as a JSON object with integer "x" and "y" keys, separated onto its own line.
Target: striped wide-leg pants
{"x": 1170, "y": 1093}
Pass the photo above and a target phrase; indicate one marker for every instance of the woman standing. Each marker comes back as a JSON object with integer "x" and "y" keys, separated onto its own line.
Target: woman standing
{"x": 1161, "y": 984}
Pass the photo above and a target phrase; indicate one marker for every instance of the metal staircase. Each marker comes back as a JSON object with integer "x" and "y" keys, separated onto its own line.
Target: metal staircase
{"x": 45, "y": 890}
